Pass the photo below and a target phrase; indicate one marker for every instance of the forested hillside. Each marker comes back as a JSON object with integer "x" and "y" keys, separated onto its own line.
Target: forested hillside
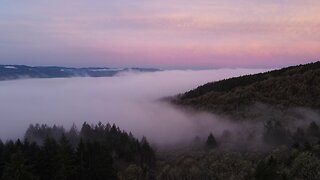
{"x": 102, "y": 152}
{"x": 296, "y": 86}
{"x": 94, "y": 153}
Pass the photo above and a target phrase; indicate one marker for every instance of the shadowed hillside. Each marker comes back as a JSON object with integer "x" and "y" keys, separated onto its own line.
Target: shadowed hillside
{"x": 296, "y": 86}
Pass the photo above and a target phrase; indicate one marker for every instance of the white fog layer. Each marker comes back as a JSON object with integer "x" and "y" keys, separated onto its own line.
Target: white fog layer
{"x": 128, "y": 100}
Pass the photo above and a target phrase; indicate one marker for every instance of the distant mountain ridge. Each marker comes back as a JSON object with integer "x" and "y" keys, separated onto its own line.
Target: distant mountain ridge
{"x": 295, "y": 86}
{"x": 11, "y": 72}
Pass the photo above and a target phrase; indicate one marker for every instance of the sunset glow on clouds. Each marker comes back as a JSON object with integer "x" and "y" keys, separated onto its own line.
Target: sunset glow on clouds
{"x": 166, "y": 33}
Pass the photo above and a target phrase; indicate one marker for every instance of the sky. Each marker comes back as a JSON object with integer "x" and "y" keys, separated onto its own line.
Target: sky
{"x": 192, "y": 34}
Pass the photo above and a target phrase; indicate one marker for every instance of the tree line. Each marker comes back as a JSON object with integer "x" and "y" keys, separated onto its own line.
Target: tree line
{"x": 103, "y": 151}
{"x": 96, "y": 152}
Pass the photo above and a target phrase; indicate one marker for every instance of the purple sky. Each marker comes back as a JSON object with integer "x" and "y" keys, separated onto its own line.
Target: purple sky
{"x": 160, "y": 33}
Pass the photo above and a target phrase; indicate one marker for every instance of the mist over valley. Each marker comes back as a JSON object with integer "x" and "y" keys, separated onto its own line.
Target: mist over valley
{"x": 163, "y": 124}
{"x": 130, "y": 100}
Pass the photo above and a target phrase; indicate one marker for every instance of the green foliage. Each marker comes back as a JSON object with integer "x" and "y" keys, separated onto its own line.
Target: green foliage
{"x": 207, "y": 166}
{"x": 266, "y": 169}
{"x": 276, "y": 134}
{"x": 297, "y": 86}
{"x": 105, "y": 152}
{"x": 305, "y": 166}
{"x": 133, "y": 172}
{"x": 285, "y": 163}
{"x": 101, "y": 152}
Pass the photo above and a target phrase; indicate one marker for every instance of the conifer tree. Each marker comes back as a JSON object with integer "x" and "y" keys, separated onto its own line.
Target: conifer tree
{"x": 211, "y": 142}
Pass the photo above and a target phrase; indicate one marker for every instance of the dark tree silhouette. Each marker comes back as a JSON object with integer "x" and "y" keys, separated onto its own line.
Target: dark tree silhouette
{"x": 96, "y": 152}
{"x": 314, "y": 129}
{"x": 211, "y": 142}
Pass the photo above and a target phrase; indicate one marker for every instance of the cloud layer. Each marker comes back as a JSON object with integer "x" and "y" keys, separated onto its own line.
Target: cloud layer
{"x": 129, "y": 100}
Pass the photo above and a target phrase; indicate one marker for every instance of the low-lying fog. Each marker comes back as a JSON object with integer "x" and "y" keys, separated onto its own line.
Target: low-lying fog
{"x": 129, "y": 100}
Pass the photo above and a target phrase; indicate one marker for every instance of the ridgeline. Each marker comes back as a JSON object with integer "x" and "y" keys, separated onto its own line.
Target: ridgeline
{"x": 295, "y": 86}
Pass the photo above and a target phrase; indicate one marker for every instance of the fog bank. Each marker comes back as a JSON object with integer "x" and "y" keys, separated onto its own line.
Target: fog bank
{"x": 130, "y": 100}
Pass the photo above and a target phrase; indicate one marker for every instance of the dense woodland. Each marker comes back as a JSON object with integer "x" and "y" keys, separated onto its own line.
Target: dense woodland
{"x": 98, "y": 152}
{"x": 293, "y": 155}
{"x": 296, "y": 86}
{"x": 94, "y": 153}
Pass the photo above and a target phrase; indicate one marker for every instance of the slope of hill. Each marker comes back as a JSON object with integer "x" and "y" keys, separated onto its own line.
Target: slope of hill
{"x": 9, "y": 72}
{"x": 296, "y": 86}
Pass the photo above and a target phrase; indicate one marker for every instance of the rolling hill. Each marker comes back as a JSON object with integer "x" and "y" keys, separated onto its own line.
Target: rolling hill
{"x": 10, "y": 72}
{"x": 296, "y": 86}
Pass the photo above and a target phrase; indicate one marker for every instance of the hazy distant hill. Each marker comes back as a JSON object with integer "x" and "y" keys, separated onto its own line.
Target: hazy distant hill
{"x": 296, "y": 86}
{"x": 9, "y": 72}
